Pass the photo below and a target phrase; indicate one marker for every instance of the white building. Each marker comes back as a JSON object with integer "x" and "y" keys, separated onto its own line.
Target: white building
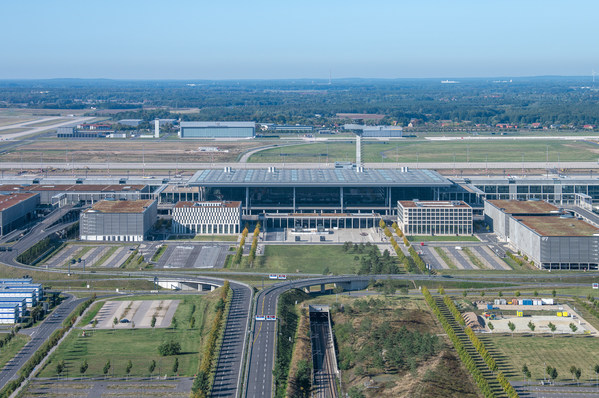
{"x": 9, "y": 313}
{"x": 204, "y": 218}
{"x": 434, "y": 218}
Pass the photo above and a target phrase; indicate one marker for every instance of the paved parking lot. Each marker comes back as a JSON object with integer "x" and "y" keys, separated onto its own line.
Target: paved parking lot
{"x": 139, "y": 312}
{"x": 194, "y": 255}
{"x": 459, "y": 258}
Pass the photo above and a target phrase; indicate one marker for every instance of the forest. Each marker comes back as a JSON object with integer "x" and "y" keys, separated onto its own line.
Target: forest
{"x": 569, "y": 101}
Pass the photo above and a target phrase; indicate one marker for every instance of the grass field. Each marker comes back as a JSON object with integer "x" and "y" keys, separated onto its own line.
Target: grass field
{"x": 139, "y": 345}
{"x": 539, "y": 352}
{"x": 10, "y": 350}
{"x": 311, "y": 259}
{"x": 434, "y": 151}
{"x": 426, "y": 238}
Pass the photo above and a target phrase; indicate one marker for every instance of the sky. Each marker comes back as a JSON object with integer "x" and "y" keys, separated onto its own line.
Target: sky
{"x": 261, "y": 39}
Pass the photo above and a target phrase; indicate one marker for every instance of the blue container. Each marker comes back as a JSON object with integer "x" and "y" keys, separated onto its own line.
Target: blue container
{"x": 527, "y": 302}
{"x": 489, "y": 306}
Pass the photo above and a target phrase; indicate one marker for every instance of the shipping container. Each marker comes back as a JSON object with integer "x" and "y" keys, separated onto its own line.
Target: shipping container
{"x": 559, "y": 314}
{"x": 489, "y": 306}
{"x": 527, "y": 302}
{"x": 547, "y": 301}
{"x": 519, "y": 313}
{"x": 565, "y": 313}
{"x": 497, "y": 302}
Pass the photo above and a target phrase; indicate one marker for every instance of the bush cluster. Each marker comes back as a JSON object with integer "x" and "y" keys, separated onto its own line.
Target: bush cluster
{"x": 239, "y": 254}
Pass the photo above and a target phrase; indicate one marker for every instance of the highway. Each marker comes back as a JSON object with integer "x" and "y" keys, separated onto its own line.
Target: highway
{"x": 39, "y": 335}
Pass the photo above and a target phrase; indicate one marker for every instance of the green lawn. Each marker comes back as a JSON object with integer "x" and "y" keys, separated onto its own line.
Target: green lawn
{"x": 426, "y": 238}
{"x": 539, "y": 352}
{"x": 312, "y": 259}
{"x": 139, "y": 345}
{"x": 433, "y": 151}
{"x": 91, "y": 313}
{"x": 10, "y": 350}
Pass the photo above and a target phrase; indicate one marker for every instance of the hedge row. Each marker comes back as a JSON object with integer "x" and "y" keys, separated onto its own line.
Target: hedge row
{"x": 202, "y": 384}
{"x": 239, "y": 254}
{"x": 464, "y": 355}
{"x": 252, "y": 256}
{"x": 518, "y": 260}
{"x": 454, "y": 311}
{"x": 41, "y": 353}
{"x": 481, "y": 349}
{"x": 417, "y": 260}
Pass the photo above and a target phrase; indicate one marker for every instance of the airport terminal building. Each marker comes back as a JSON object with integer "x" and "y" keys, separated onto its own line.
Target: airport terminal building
{"x": 205, "y": 218}
{"x": 417, "y": 217}
{"x": 285, "y": 193}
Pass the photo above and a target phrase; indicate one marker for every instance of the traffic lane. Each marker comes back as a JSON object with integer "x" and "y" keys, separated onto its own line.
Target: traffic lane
{"x": 43, "y": 332}
{"x": 228, "y": 368}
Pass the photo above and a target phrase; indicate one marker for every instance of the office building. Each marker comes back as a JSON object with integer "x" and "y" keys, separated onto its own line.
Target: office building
{"x": 204, "y": 218}
{"x": 434, "y": 217}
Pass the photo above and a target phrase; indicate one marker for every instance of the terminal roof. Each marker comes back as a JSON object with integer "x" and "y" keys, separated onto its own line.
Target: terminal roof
{"x": 558, "y": 226}
{"x": 319, "y": 178}
{"x": 524, "y": 206}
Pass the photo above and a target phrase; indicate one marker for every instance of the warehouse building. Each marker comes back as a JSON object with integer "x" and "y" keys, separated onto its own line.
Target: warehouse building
{"x": 118, "y": 220}
{"x": 202, "y": 218}
{"x": 21, "y": 304}
{"x": 434, "y": 217}
{"x": 20, "y": 293}
{"x": 549, "y": 238}
{"x": 17, "y": 209}
{"x": 217, "y": 130}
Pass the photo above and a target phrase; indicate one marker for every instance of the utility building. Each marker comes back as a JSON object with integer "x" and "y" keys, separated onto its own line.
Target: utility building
{"x": 217, "y": 129}
{"x": 118, "y": 220}
{"x": 207, "y": 218}
{"x": 434, "y": 217}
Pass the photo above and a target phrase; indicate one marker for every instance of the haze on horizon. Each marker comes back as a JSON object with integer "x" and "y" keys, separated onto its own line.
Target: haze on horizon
{"x": 273, "y": 39}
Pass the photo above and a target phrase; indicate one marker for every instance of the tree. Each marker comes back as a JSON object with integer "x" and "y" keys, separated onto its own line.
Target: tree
{"x": 115, "y": 321}
{"x": 536, "y": 293}
{"x": 577, "y": 374}
{"x": 83, "y": 367}
{"x": 526, "y": 372}
{"x": 60, "y": 367}
{"x": 465, "y": 293}
{"x": 174, "y": 323}
{"x": 531, "y": 326}
{"x": 573, "y": 327}
{"x": 490, "y": 325}
{"x": 106, "y": 368}
{"x": 518, "y": 294}
{"x": 153, "y": 323}
{"x": 129, "y": 367}
{"x": 192, "y": 322}
{"x": 596, "y": 369}
{"x": 500, "y": 294}
{"x": 512, "y": 327}
{"x": 552, "y": 373}
{"x": 176, "y": 366}
{"x": 169, "y": 348}
{"x": 551, "y": 327}
{"x": 152, "y": 367}
{"x": 94, "y": 323}
{"x": 441, "y": 290}
{"x": 482, "y": 294}
{"x": 326, "y": 271}
{"x": 553, "y": 293}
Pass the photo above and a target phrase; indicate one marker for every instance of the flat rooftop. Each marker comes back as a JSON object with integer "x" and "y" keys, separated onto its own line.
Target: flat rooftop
{"x": 558, "y": 226}
{"x": 525, "y": 206}
{"x": 433, "y": 204}
{"x": 319, "y": 178}
{"x": 120, "y": 206}
{"x": 180, "y": 189}
{"x": 7, "y": 201}
{"x": 217, "y": 124}
{"x": 72, "y": 188}
{"x": 211, "y": 204}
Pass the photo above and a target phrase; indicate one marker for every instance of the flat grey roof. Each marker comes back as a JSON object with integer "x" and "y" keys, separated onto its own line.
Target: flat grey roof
{"x": 218, "y": 124}
{"x": 319, "y": 177}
